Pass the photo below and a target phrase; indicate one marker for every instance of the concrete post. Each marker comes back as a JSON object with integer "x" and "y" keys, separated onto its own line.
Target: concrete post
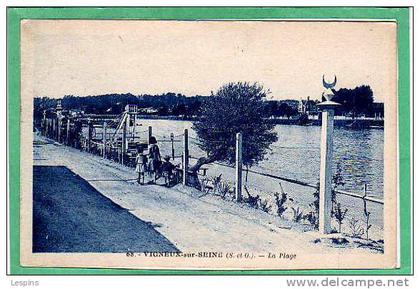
{"x": 185, "y": 159}
{"x": 325, "y": 175}
{"x": 104, "y": 139}
{"x": 325, "y": 172}
{"x": 238, "y": 167}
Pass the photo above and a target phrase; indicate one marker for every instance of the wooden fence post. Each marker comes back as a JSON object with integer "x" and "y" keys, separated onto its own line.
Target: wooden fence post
{"x": 59, "y": 122}
{"x": 185, "y": 159}
{"x": 134, "y": 127}
{"x": 150, "y": 134}
{"x": 104, "y": 139}
{"x": 54, "y": 131}
{"x": 50, "y": 128}
{"x": 68, "y": 131}
{"x": 90, "y": 132}
{"x": 44, "y": 123}
{"x": 172, "y": 146}
{"x": 238, "y": 167}
{"x": 47, "y": 132}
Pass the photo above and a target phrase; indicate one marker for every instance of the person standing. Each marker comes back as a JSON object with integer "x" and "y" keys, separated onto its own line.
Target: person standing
{"x": 141, "y": 164}
{"x": 154, "y": 158}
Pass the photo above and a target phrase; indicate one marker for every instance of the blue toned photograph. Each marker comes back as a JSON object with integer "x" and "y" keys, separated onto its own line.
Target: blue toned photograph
{"x": 212, "y": 144}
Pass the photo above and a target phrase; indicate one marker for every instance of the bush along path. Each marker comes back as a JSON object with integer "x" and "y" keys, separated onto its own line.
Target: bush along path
{"x": 347, "y": 231}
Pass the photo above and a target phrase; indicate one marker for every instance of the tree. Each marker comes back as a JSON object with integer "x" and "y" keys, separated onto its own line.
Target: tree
{"x": 179, "y": 110}
{"x": 236, "y": 107}
{"x": 270, "y": 108}
{"x": 286, "y": 110}
{"x": 356, "y": 101}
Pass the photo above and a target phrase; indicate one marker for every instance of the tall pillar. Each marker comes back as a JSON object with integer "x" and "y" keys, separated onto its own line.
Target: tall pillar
{"x": 325, "y": 175}
{"x": 326, "y": 145}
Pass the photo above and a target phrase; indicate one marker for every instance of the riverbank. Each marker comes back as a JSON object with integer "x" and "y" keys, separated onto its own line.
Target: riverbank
{"x": 357, "y": 123}
{"x": 188, "y": 219}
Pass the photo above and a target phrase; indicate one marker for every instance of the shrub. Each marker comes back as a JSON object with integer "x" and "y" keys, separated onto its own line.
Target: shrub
{"x": 280, "y": 201}
{"x": 339, "y": 215}
{"x": 313, "y": 215}
{"x": 251, "y": 200}
{"x": 215, "y": 182}
{"x": 204, "y": 185}
{"x": 366, "y": 214}
{"x": 264, "y": 206}
{"x": 224, "y": 189}
{"x": 356, "y": 230}
{"x": 312, "y": 218}
{"x": 297, "y": 214}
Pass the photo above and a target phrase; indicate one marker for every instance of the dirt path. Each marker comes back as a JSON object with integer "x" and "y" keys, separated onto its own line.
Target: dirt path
{"x": 189, "y": 220}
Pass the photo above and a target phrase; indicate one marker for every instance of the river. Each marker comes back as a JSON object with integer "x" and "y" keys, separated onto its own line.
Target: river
{"x": 296, "y": 154}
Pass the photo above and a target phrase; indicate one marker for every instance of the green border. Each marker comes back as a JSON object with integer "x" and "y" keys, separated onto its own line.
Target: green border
{"x": 14, "y": 15}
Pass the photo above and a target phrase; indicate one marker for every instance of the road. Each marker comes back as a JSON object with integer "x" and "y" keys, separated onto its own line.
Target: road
{"x": 72, "y": 216}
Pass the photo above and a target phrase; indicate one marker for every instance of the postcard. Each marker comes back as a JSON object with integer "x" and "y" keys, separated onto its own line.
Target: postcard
{"x": 209, "y": 144}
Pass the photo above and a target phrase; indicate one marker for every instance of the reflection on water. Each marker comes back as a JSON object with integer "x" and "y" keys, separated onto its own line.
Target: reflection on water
{"x": 359, "y": 153}
{"x": 296, "y": 153}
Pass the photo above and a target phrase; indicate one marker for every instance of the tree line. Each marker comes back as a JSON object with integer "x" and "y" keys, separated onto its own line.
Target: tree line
{"x": 356, "y": 101}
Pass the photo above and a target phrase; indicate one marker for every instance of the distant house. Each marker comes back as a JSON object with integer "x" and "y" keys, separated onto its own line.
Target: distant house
{"x": 76, "y": 112}
{"x": 131, "y": 108}
{"x": 150, "y": 110}
{"x": 308, "y": 106}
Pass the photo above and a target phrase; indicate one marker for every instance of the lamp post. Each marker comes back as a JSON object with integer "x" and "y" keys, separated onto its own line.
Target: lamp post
{"x": 325, "y": 175}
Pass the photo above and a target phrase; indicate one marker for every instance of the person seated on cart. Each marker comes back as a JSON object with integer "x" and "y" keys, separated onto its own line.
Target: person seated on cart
{"x": 167, "y": 169}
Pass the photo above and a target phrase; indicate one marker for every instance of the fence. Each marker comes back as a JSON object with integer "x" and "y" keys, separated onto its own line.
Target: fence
{"x": 105, "y": 140}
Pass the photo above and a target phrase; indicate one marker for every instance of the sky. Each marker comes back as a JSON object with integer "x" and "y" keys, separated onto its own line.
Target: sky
{"x": 91, "y": 57}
